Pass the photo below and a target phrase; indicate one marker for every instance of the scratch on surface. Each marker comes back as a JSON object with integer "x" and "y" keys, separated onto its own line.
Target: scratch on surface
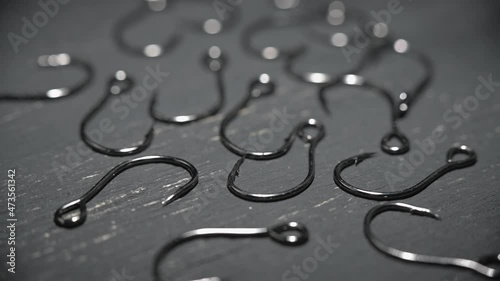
{"x": 176, "y": 183}
{"x": 91, "y": 176}
{"x": 182, "y": 210}
{"x": 326, "y": 201}
{"x": 216, "y": 138}
{"x": 212, "y": 119}
{"x": 104, "y": 237}
{"x": 283, "y": 217}
{"x": 151, "y": 203}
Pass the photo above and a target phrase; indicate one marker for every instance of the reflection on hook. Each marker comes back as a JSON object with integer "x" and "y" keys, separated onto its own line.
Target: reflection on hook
{"x": 288, "y": 234}
{"x": 418, "y": 258}
{"x": 55, "y": 61}
{"x": 306, "y": 138}
{"x": 117, "y": 85}
{"x": 395, "y": 133}
{"x": 74, "y": 213}
{"x": 410, "y": 191}
{"x": 215, "y": 61}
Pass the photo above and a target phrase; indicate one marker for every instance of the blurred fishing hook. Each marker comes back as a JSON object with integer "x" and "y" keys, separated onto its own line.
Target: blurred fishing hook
{"x": 410, "y": 191}
{"x": 74, "y": 213}
{"x": 215, "y": 61}
{"x": 273, "y": 197}
{"x": 288, "y": 234}
{"x": 55, "y": 61}
{"x": 395, "y": 133}
{"x": 477, "y": 266}
{"x": 117, "y": 85}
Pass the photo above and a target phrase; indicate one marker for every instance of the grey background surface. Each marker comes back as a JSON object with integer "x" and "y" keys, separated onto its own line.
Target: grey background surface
{"x": 126, "y": 223}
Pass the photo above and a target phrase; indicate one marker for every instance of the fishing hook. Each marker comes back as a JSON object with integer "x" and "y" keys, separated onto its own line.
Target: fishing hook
{"x": 410, "y": 191}
{"x": 360, "y": 81}
{"x": 263, "y": 86}
{"x": 288, "y": 234}
{"x": 56, "y": 61}
{"x": 215, "y": 61}
{"x": 476, "y": 266}
{"x": 273, "y": 197}
{"x": 155, "y": 50}
{"x": 117, "y": 85}
{"x": 74, "y": 213}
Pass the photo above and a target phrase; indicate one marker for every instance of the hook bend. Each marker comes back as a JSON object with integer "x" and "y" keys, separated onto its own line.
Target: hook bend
{"x": 450, "y": 165}
{"x": 288, "y": 234}
{"x": 419, "y": 258}
{"x": 74, "y": 213}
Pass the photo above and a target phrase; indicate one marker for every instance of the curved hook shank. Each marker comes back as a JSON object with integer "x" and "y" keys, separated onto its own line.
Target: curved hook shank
{"x": 259, "y": 197}
{"x": 215, "y": 61}
{"x": 289, "y": 234}
{"x": 412, "y": 257}
{"x": 56, "y": 61}
{"x": 119, "y": 84}
{"x": 65, "y": 216}
{"x": 410, "y": 191}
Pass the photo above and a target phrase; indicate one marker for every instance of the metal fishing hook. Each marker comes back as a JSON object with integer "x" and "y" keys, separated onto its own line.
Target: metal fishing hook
{"x": 477, "y": 266}
{"x": 288, "y": 234}
{"x": 117, "y": 85}
{"x": 273, "y": 197}
{"x": 263, "y": 86}
{"x": 154, "y": 50}
{"x": 55, "y": 61}
{"x": 215, "y": 61}
{"x": 410, "y": 191}
{"x": 74, "y": 213}
{"x": 359, "y": 81}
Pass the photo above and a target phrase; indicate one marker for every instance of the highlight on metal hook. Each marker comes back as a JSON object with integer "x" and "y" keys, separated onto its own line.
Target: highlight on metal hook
{"x": 477, "y": 266}
{"x": 55, "y": 61}
{"x": 450, "y": 165}
{"x": 288, "y": 234}
{"x": 215, "y": 61}
{"x": 353, "y": 80}
{"x": 120, "y": 83}
{"x": 273, "y": 197}
{"x": 74, "y": 213}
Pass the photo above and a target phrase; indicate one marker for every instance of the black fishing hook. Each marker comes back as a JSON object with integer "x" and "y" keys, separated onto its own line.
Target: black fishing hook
{"x": 154, "y": 50}
{"x": 359, "y": 81}
{"x": 477, "y": 266}
{"x": 55, "y": 61}
{"x": 118, "y": 84}
{"x": 273, "y": 197}
{"x": 288, "y": 234}
{"x": 74, "y": 213}
{"x": 215, "y": 61}
{"x": 263, "y": 86}
{"x": 410, "y": 191}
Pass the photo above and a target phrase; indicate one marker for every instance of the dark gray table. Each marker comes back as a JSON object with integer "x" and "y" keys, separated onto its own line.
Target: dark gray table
{"x": 126, "y": 224}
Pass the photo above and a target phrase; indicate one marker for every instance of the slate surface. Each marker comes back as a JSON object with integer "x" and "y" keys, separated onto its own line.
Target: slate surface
{"x": 126, "y": 223}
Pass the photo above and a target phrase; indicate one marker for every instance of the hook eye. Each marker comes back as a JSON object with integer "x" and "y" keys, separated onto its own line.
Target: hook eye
{"x": 71, "y": 215}
{"x": 262, "y": 86}
{"x": 214, "y": 59}
{"x": 394, "y": 149}
{"x": 461, "y": 149}
{"x": 308, "y": 138}
{"x": 119, "y": 83}
{"x": 290, "y": 233}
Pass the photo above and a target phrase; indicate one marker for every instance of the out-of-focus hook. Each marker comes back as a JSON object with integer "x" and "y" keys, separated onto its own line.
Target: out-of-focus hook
{"x": 55, "y": 61}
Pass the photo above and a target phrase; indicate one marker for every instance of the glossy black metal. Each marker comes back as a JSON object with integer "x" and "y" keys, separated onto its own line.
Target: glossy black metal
{"x": 120, "y": 83}
{"x": 273, "y": 197}
{"x": 410, "y": 191}
{"x": 215, "y": 61}
{"x": 55, "y": 61}
{"x": 479, "y": 267}
{"x": 288, "y": 234}
{"x": 74, "y": 213}
{"x": 359, "y": 81}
